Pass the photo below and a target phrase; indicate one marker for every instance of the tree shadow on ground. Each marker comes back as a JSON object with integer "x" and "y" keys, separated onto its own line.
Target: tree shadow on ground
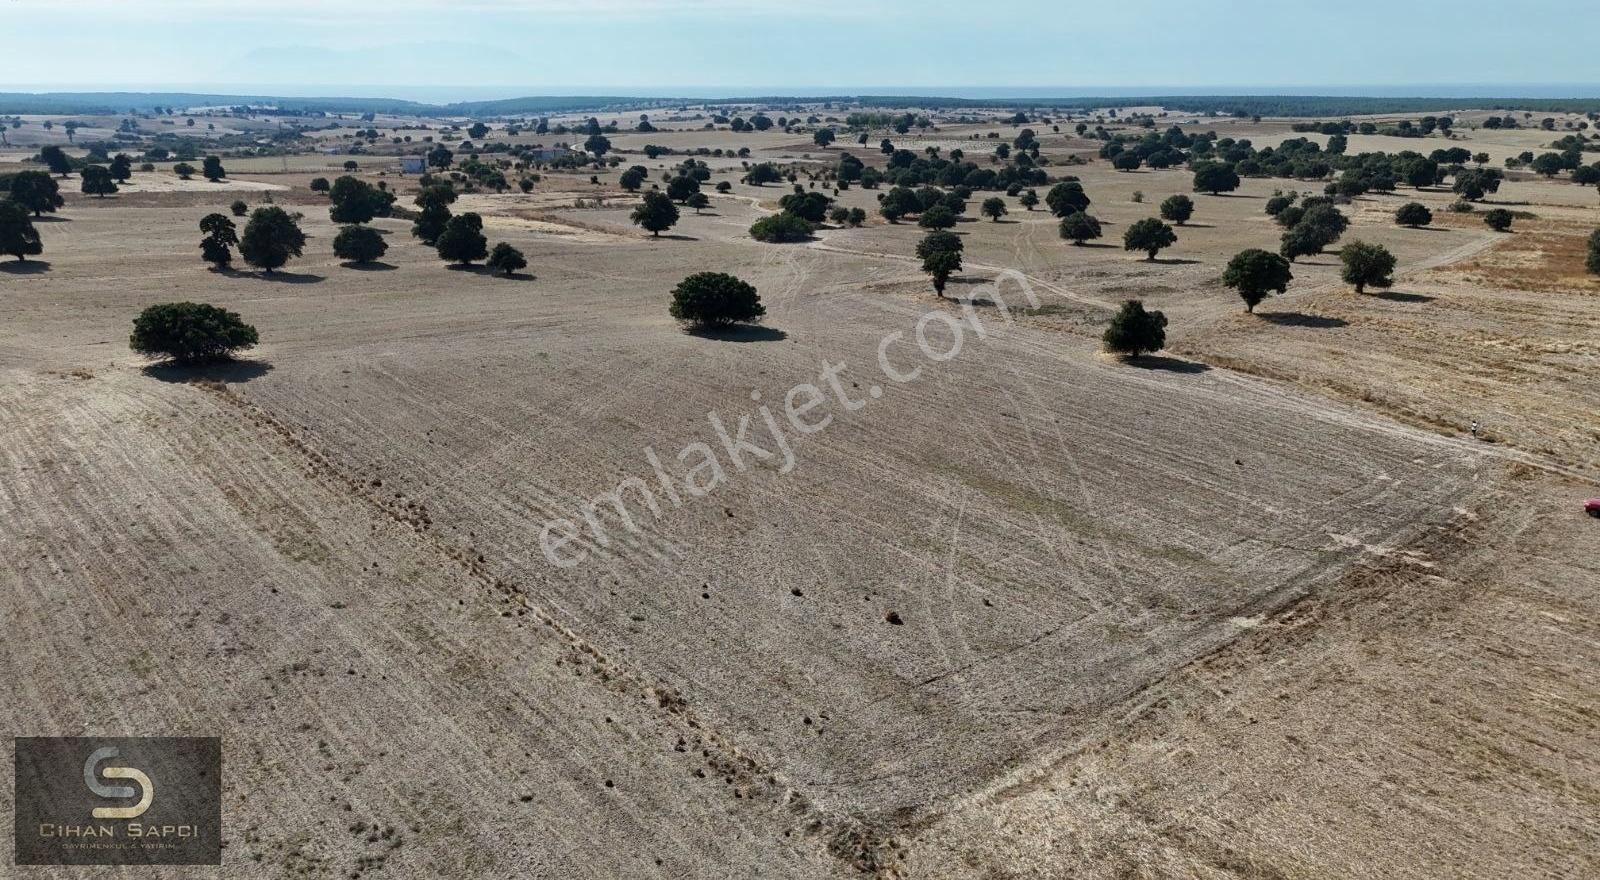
{"x": 739, "y": 333}
{"x": 370, "y": 266}
{"x": 1097, "y": 245}
{"x": 289, "y": 277}
{"x": 1231, "y": 196}
{"x": 1173, "y": 261}
{"x": 1166, "y": 364}
{"x": 1398, "y": 296}
{"x": 26, "y": 267}
{"x": 692, "y": 238}
{"x": 1300, "y": 319}
{"x": 222, "y": 371}
{"x": 1195, "y": 226}
{"x": 52, "y": 218}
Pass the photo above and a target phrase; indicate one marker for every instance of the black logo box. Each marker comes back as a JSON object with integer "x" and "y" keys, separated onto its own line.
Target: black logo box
{"x": 55, "y": 822}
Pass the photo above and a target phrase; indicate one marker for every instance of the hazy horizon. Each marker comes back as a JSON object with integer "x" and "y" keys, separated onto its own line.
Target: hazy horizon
{"x": 713, "y": 48}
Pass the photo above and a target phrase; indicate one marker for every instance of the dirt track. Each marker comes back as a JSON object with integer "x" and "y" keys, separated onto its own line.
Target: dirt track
{"x": 1101, "y": 574}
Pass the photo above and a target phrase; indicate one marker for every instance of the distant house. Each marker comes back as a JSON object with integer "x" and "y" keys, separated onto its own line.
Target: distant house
{"x": 546, "y": 154}
{"x": 413, "y": 164}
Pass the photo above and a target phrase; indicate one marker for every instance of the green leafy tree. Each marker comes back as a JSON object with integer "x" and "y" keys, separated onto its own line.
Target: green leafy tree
{"x": 858, "y": 217}
{"x": 1029, "y": 199}
{"x": 781, "y": 228}
{"x": 17, "y": 235}
{"x": 435, "y": 201}
{"x": 1413, "y": 214}
{"x": 359, "y": 244}
{"x": 190, "y": 333}
{"x": 56, "y": 160}
{"x": 811, "y": 207}
{"x": 597, "y": 144}
{"x": 698, "y": 201}
{"x": 1134, "y": 331}
{"x": 356, "y": 201}
{"x": 239, "y": 208}
{"x": 271, "y": 238}
{"x": 1277, "y": 204}
{"x": 440, "y": 157}
{"x": 1149, "y": 235}
{"x": 1178, "y": 209}
{"x": 1066, "y": 198}
{"x": 762, "y": 174}
{"x": 36, "y": 191}
{"x": 1300, "y": 241}
{"x": 320, "y": 184}
{"x": 211, "y": 167}
{"x": 1499, "y": 219}
{"x": 220, "y": 237}
{"x": 823, "y": 137}
{"x": 994, "y": 208}
{"x": 937, "y": 217}
{"x": 184, "y": 170}
{"x": 680, "y": 188}
{"x": 715, "y": 299}
{"x": 656, "y": 213}
{"x": 462, "y": 241}
{"x": 121, "y": 167}
{"x": 97, "y": 181}
{"x": 1079, "y": 227}
{"x": 634, "y": 178}
{"x": 506, "y": 259}
{"x": 1215, "y": 178}
{"x": 940, "y": 265}
{"x": 1254, "y": 273}
{"x": 1366, "y": 265}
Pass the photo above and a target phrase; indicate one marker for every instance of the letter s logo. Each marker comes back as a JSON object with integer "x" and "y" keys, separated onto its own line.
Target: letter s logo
{"x": 117, "y": 791}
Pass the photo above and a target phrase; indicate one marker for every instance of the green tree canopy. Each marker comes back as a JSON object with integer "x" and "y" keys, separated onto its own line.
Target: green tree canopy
{"x": 1149, "y": 235}
{"x": 212, "y": 169}
{"x": 715, "y": 299}
{"x": 462, "y": 241}
{"x": 1215, "y": 178}
{"x": 97, "y": 181}
{"x": 1366, "y": 265}
{"x": 1079, "y": 227}
{"x": 1413, "y": 214}
{"x": 994, "y": 208}
{"x": 271, "y": 238}
{"x": 1134, "y": 331}
{"x": 36, "y": 191}
{"x": 190, "y": 333}
{"x": 1499, "y": 219}
{"x": 656, "y": 213}
{"x": 506, "y": 259}
{"x": 359, "y": 244}
{"x": 1067, "y": 197}
{"x": 17, "y": 235}
{"x": 220, "y": 236}
{"x": 1254, "y": 273}
{"x": 1178, "y": 209}
{"x": 781, "y": 228}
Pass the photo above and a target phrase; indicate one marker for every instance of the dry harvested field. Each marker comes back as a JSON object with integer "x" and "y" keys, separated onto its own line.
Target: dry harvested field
{"x": 1258, "y": 607}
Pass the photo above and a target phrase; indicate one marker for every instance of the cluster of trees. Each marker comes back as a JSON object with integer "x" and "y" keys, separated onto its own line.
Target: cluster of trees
{"x": 190, "y": 333}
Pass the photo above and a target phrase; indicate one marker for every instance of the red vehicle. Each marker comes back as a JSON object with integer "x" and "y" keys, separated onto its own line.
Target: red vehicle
{"x": 1592, "y": 507}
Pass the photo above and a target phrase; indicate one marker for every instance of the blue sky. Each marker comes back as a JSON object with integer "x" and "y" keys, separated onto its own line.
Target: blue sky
{"x": 478, "y": 48}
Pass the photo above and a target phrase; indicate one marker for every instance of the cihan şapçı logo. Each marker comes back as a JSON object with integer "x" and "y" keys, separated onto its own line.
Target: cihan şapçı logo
{"x": 118, "y": 801}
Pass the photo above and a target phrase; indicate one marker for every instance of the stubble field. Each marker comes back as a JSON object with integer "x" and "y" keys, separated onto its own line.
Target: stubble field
{"x": 1259, "y": 607}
